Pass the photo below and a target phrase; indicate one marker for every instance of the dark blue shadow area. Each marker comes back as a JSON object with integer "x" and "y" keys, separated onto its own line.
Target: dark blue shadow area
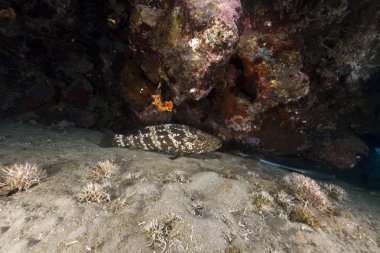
{"x": 367, "y": 173}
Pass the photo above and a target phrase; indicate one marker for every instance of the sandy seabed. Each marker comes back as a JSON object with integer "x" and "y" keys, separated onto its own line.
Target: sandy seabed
{"x": 191, "y": 204}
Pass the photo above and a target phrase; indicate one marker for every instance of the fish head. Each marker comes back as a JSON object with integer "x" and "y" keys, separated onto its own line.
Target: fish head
{"x": 207, "y": 143}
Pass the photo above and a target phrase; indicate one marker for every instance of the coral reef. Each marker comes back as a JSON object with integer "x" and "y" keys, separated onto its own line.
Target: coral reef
{"x": 296, "y": 77}
{"x": 192, "y": 40}
{"x": 270, "y": 75}
{"x": 152, "y": 116}
{"x": 136, "y": 90}
{"x": 273, "y": 69}
{"x": 20, "y": 177}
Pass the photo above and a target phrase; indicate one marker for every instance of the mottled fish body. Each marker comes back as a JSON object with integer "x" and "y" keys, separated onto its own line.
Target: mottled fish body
{"x": 172, "y": 139}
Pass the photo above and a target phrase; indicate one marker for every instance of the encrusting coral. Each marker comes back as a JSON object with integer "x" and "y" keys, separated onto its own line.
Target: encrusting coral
{"x": 103, "y": 170}
{"x": 19, "y": 177}
{"x": 93, "y": 192}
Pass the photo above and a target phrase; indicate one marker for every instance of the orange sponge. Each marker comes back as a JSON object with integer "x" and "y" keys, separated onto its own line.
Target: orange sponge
{"x": 162, "y": 106}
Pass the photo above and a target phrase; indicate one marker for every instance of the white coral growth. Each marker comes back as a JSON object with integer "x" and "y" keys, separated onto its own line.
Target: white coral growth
{"x": 20, "y": 177}
{"x": 306, "y": 189}
{"x": 93, "y": 192}
{"x": 103, "y": 170}
{"x": 335, "y": 192}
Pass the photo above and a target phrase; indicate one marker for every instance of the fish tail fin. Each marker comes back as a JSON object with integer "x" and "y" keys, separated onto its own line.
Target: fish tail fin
{"x": 113, "y": 140}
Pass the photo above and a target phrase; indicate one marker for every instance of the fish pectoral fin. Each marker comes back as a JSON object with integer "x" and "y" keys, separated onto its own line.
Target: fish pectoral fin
{"x": 175, "y": 156}
{"x": 207, "y": 155}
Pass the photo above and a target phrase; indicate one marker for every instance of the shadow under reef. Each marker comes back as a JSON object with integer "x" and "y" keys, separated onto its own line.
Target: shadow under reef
{"x": 365, "y": 175}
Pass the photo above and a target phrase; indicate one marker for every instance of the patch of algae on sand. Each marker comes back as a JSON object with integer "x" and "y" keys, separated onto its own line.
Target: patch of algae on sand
{"x": 304, "y": 215}
{"x": 158, "y": 232}
{"x": 234, "y": 249}
{"x": 263, "y": 201}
